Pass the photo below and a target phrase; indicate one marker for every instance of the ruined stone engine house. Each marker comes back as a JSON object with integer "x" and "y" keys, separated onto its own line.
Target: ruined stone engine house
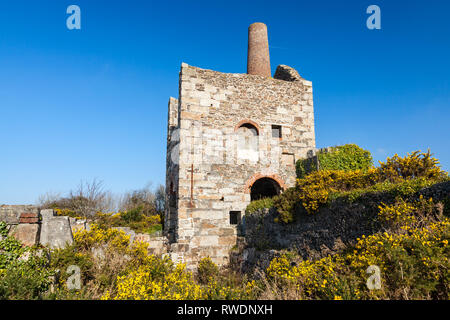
{"x": 231, "y": 138}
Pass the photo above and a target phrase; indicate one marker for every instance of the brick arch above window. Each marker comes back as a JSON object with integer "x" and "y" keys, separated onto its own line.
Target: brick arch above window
{"x": 248, "y": 121}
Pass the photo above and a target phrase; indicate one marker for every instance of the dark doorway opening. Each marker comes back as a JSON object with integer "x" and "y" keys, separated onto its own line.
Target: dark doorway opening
{"x": 264, "y": 188}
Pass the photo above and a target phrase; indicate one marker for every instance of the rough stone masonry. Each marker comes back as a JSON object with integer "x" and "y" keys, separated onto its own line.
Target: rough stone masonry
{"x": 231, "y": 138}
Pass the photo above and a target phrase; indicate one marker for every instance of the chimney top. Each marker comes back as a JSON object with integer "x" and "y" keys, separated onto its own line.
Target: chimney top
{"x": 258, "y": 59}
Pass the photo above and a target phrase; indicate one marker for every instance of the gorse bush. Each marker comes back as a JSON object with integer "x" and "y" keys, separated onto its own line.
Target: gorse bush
{"x": 413, "y": 262}
{"x": 346, "y": 157}
{"x": 135, "y": 219}
{"x": 207, "y": 270}
{"x": 103, "y": 256}
{"x": 401, "y": 176}
{"x": 407, "y": 214}
{"x": 68, "y": 256}
{"x": 67, "y": 213}
{"x": 403, "y": 215}
{"x": 403, "y": 188}
{"x": 316, "y": 187}
{"x": 173, "y": 282}
{"x": 400, "y": 213}
{"x": 98, "y": 236}
{"x": 414, "y": 165}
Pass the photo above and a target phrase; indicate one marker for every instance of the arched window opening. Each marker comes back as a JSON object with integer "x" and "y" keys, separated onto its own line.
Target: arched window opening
{"x": 250, "y": 128}
{"x": 248, "y": 144}
{"x": 264, "y": 188}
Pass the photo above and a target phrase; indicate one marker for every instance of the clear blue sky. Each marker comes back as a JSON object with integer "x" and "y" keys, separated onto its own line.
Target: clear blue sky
{"x": 93, "y": 103}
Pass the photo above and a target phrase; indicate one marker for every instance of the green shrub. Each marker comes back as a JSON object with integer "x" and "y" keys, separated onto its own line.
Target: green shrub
{"x": 206, "y": 270}
{"x": 25, "y": 281}
{"x": 415, "y": 164}
{"x": 305, "y": 166}
{"x": 259, "y": 204}
{"x": 315, "y": 189}
{"x": 23, "y": 271}
{"x": 65, "y": 257}
{"x": 154, "y": 228}
{"x": 413, "y": 265}
{"x": 10, "y": 248}
{"x": 404, "y": 189}
{"x": 133, "y": 215}
{"x": 399, "y": 176}
{"x": 135, "y": 219}
{"x": 346, "y": 157}
{"x": 285, "y": 205}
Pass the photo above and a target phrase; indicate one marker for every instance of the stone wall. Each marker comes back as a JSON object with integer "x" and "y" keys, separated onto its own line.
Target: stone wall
{"x": 323, "y": 233}
{"x": 56, "y": 231}
{"x": 212, "y": 173}
{"x": 23, "y": 222}
{"x": 172, "y": 157}
{"x": 32, "y": 226}
{"x": 11, "y": 213}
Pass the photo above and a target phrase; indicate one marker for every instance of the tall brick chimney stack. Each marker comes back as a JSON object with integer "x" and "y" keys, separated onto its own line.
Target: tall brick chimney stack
{"x": 258, "y": 60}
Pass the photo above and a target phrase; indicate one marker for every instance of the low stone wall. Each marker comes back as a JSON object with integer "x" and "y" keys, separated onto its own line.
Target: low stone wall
{"x": 32, "y": 226}
{"x": 23, "y": 222}
{"x": 56, "y": 231}
{"x": 315, "y": 236}
{"x": 11, "y": 213}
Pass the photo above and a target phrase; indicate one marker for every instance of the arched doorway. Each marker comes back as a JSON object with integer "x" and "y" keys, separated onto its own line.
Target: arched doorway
{"x": 264, "y": 188}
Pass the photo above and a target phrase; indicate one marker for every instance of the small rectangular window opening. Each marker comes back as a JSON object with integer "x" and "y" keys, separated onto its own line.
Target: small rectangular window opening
{"x": 276, "y": 131}
{"x": 235, "y": 217}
